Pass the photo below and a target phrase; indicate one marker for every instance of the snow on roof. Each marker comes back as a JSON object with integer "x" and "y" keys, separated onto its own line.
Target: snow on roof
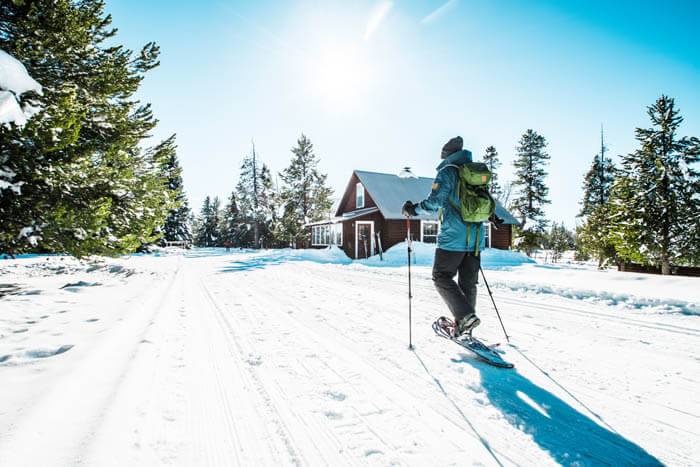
{"x": 357, "y": 213}
{"x": 390, "y": 192}
{"x": 345, "y": 217}
{"x": 503, "y": 213}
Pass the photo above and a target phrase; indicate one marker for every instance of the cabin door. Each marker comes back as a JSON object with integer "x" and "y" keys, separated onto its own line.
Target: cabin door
{"x": 364, "y": 239}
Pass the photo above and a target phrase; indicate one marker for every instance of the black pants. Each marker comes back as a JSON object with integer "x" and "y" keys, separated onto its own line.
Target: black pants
{"x": 460, "y": 296}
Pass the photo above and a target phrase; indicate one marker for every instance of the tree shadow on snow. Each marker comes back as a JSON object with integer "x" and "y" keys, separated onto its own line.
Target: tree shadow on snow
{"x": 569, "y": 436}
{"x": 251, "y": 264}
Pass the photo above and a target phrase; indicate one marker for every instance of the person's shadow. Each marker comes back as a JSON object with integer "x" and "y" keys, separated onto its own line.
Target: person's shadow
{"x": 569, "y": 436}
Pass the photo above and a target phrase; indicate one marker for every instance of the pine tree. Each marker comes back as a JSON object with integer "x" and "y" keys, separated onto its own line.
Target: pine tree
{"x": 214, "y": 222}
{"x": 530, "y": 164}
{"x": 654, "y": 200}
{"x": 201, "y": 235}
{"x": 304, "y": 193}
{"x": 254, "y": 193}
{"x": 177, "y": 224}
{"x": 597, "y": 182}
{"x": 593, "y": 235}
{"x": 559, "y": 240}
{"x": 230, "y": 228}
{"x": 207, "y": 232}
{"x": 492, "y": 162}
{"x": 269, "y": 200}
{"x": 87, "y": 186}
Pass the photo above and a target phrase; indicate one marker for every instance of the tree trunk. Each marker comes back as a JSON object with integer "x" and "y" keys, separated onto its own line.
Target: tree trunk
{"x": 256, "y": 235}
{"x": 665, "y": 266}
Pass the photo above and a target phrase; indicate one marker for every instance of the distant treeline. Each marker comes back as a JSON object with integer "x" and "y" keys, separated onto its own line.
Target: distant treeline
{"x": 260, "y": 212}
{"x": 645, "y": 211}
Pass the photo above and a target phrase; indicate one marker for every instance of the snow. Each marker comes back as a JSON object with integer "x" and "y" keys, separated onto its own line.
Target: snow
{"x": 613, "y": 289}
{"x": 10, "y": 110}
{"x": 14, "y": 77}
{"x": 396, "y": 256}
{"x": 423, "y": 254}
{"x": 15, "y": 81}
{"x": 28, "y": 233}
{"x": 298, "y": 357}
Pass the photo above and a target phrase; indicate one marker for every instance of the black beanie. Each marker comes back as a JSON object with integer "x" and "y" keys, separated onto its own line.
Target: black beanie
{"x": 452, "y": 146}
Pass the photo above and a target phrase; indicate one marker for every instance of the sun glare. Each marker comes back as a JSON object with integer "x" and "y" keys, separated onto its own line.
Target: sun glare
{"x": 340, "y": 77}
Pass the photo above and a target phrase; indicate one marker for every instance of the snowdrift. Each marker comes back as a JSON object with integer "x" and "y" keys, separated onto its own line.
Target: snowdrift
{"x": 330, "y": 255}
{"x": 423, "y": 254}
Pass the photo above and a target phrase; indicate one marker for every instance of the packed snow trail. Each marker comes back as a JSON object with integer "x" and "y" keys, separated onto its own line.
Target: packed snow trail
{"x": 215, "y": 359}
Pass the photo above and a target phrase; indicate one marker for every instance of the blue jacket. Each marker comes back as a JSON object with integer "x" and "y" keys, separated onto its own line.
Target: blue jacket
{"x": 453, "y": 230}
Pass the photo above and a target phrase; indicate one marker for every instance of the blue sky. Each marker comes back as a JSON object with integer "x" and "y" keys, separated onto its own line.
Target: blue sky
{"x": 378, "y": 85}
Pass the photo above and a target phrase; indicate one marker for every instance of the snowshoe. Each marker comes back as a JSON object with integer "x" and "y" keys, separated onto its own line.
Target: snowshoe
{"x": 446, "y": 328}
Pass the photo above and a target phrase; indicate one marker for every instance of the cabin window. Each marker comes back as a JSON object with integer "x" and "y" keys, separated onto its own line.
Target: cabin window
{"x": 429, "y": 231}
{"x": 487, "y": 234}
{"x": 327, "y": 234}
{"x": 359, "y": 196}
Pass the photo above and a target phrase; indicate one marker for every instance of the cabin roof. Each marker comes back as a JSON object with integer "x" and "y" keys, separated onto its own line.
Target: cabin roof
{"x": 390, "y": 192}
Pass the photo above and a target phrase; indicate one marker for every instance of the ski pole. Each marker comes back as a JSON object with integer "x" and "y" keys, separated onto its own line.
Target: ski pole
{"x": 494, "y": 303}
{"x": 410, "y": 296}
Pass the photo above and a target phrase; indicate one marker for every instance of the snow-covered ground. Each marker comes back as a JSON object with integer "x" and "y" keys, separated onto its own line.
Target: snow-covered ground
{"x": 278, "y": 358}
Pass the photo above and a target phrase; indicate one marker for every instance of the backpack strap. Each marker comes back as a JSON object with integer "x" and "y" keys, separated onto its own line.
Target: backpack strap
{"x": 456, "y": 208}
{"x": 476, "y": 240}
{"x": 476, "y": 237}
{"x": 449, "y": 165}
{"x": 469, "y": 224}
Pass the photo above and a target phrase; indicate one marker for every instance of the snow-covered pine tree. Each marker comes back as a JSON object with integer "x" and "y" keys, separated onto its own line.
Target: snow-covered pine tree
{"x": 230, "y": 228}
{"x": 86, "y": 185}
{"x": 269, "y": 201}
{"x": 304, "y": 193}
{"x": 200, "y": 234}
{"x": 493, "y": 163}
{"x": 532, "y": 192}
{"x": 177, "y": 224}
{"x": 207, "y": 232}
{"x": 215, "y": 221}
{"x": 598, "y": 181}
{"x": 254, "y": 193}
{"x": 559, "y": 240}
{"x": 654, "y": 201}
{"x": 593, "y": 237}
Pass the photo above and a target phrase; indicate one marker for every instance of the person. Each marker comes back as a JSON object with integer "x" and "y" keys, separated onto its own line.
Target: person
{"x": 458, "y": 241}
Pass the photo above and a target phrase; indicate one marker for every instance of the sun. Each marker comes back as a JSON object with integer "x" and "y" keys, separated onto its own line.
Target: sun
{"x": 340, "y": 76}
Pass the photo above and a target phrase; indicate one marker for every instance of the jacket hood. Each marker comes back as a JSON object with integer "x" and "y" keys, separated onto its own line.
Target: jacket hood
{"x": 456, "y": 158}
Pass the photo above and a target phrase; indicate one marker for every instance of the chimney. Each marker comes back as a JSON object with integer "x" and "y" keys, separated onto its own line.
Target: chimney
{"x": 406, "y": 173}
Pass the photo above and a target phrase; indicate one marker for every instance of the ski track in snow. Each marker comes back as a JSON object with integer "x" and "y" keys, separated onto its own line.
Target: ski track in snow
{"x": 202, "y": 360}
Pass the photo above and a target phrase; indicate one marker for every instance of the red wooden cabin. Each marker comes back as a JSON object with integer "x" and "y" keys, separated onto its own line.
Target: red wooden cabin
{"x": 369, "y": 216}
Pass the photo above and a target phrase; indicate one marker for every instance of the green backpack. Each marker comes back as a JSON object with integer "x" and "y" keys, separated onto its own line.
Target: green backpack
{"x": 476, "y": 204}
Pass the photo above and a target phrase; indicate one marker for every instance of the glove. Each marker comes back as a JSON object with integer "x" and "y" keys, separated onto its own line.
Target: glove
{"x": 494, "y": 219}
{"x": 409, "y": 209}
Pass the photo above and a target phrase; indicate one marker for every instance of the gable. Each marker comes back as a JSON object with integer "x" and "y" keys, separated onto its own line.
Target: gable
{"x": 347, "y": 202}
